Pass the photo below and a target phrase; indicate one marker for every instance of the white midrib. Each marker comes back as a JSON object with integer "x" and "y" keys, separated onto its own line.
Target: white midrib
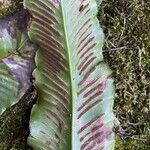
{"x": 72, "y": 81}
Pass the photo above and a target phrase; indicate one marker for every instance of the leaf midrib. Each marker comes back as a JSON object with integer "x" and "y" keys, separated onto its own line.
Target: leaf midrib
{"x": 72, "y": 81}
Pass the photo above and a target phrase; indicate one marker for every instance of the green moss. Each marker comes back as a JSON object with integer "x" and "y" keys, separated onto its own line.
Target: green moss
{"x": 8, "y": 6}
{"x": 132, "y": 144}
{"x": 127, "y": 50}
{"x": 14, "y": 124}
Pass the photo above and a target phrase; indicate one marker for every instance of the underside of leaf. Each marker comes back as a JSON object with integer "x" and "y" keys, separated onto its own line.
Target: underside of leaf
{"x": 16, "y": 60}
{"x": 98, "y": 2}
{"x": 74, "y": 85}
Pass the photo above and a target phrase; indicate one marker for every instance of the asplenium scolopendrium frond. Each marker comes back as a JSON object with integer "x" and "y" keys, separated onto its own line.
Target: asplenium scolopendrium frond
{"x": 16, "y": 59}
{"x": 74, "y": 85}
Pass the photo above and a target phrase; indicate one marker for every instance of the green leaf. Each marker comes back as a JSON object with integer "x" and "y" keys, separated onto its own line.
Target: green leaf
{"x": 75, "y": 88}
{"x": 16, "y": 61}
{"x": 7, "y": 43}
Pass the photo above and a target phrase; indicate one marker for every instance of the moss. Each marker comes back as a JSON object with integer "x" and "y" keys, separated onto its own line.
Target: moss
{"x": 126, "y": 25}
{"x": 8, "y": 6}
{"x": 132, "y": 144}
{"x": 14, "y": 124}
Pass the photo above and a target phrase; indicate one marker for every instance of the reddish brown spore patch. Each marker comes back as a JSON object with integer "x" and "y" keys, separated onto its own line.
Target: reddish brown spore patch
{"x": 86, "y": 87}
{"x": 87, "y": 50}
{"x": 83, "y": 62}
{"x": 85, "y": 31}
{"x": 84, "y": 39}
{"x": 95, "y": 128}
{"x": 83, "y": 26}
{"x": 89, "y": 100}
{"x": 87, "y": 75}
{"x": 87, "y": 65}
{"x": 44, "y": 23}
{"x": 85, "y": 45}
{"x": 60, "y": 123}
{"x": 90, "y": 123}
{"x": 98, "y": 88}
{"x": 40, "y": 3}
{"x": 91, "y": 139}
{"x": 82, "y": 138}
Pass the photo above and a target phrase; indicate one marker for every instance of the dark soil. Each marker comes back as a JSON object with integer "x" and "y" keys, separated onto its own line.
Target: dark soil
{"x": 14, "y": 123}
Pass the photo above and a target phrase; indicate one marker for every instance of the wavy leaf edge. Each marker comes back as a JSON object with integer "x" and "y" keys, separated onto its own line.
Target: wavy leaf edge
{"x": 86, "y": 122}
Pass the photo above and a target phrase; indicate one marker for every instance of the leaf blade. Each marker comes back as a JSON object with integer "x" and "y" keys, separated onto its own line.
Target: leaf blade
{"x": 16, "y": 60}
{"x": 70, "y": 77}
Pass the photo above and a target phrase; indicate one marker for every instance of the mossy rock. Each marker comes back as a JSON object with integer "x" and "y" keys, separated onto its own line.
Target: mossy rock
{"x": 9, "y": 6}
